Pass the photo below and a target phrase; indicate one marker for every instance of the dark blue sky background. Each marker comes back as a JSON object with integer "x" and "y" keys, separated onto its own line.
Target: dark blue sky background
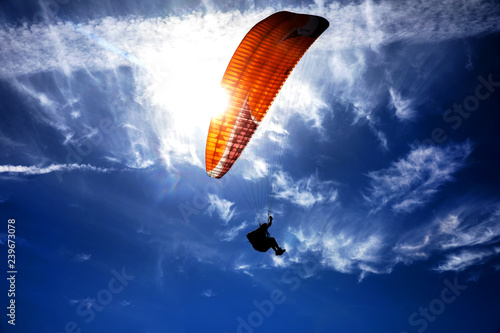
{"x": 386, "y": 197}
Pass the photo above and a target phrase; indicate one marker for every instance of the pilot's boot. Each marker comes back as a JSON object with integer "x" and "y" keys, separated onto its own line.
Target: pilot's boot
{"x": 280, "y": 251}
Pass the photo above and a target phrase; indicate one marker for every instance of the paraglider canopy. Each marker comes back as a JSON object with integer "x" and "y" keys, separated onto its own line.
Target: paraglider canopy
{"x": 258, "y": 69}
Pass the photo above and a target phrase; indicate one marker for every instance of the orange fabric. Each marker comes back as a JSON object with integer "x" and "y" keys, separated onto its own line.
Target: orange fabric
{"x": 257, "y": 71}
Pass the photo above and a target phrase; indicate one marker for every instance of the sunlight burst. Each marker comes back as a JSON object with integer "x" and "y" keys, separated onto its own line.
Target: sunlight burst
{"x": 185, "y": 83}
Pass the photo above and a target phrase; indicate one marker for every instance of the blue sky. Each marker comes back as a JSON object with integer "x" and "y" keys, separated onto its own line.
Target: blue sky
{"x": 386, "y": 195}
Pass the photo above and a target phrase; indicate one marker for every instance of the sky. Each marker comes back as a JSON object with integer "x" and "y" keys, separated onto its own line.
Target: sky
{"x": 385, "y": 194}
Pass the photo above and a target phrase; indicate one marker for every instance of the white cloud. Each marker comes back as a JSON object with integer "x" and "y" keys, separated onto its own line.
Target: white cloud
{"x": 111, "y": 42}
{"x": 403, "y": 107}
{"x": 413, "y": 250}
{"x": 208, "y": 293}
{"x": 52, "y": 112}
{"x": 382, "y": 138}
{"x": 467, "y": 227}
{"x": 81, "y": 257}
{"x": 9, "y": 146}
{"x": 412, "y": 181}
{"x": 464, "y": 259}
{"x": 463, "y": 234}
{"x": 345, "y": 253}
{"x": 336, "y": 239}
{"x": 221, "y": 206}
{"x": 341, "y": 250}
{"x": 355, "y": 244}
{"x": 305, "y": 192}
{"x": 301, "y": 96}
{"x": 253, "y": 167}
{"x": 374, "y": 24}
{"x": 125, "y": 303}
{"x": 231, "y": 233}
{"x": 36, "y": 170}
{"x": 245, "y": 268}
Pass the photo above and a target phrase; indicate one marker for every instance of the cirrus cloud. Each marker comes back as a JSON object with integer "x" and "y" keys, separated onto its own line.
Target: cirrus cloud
{"x": 413, "y": 180}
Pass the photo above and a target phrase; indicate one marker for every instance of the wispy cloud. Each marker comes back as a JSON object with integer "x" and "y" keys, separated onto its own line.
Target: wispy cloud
{"x": 208, "y": 293}
{"x": 36, "y": 170}
{"x": 464, "y": 259}
{"x": 463, "y": 235}
{"x": 463, "y": 228}
{"x": 342, "y": 242}
{"x": 305, "y": 192}
{"x": 301, "y": 96}
{"x": 344, "y": 252}
{"x": 254, "y": 168}
{"x": 403, "y": 107}
{"x": 412, "y": 181}
{"x": 52, "y": 112}
{"x": 347, "y": 242}
{"x": 81, "y": 257}
{"x": 245, "y": 268}
{"x": 385, "y": 22}
{"x": 125, "y": 303}
{"x": 231, "y": 233}
{"x": 222, "y": 207}
{"x": 369, "y": 24}
{"x": 9, "y": 145}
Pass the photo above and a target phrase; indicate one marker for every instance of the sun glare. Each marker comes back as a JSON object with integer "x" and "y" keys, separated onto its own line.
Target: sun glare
{"x": 189, "y": 91}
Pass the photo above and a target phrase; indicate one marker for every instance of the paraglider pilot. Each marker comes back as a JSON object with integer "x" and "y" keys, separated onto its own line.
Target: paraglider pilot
{"x": 261, "y": 240}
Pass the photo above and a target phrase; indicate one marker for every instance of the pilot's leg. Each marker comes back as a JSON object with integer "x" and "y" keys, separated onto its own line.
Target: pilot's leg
{"x": 273, "y": 243}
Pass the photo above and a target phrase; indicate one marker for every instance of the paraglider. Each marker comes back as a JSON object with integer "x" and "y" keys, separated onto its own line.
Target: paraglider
{"x": 256, "y": 72}
{"x": 258, "y": 69}
{"x": 262, "y": 241}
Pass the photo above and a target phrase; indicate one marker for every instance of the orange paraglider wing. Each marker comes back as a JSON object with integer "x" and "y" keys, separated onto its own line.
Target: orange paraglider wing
{"x": 257, "y": 71}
